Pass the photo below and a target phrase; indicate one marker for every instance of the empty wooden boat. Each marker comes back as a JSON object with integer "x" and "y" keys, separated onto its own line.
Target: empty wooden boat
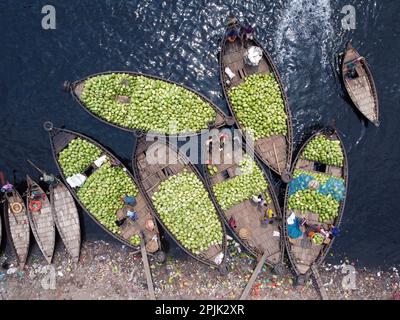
{"x": 256, "y": 97}
{"x": 66, "y": 217}
{"x": 314, "y": 201}
{"x": 186, "y": 212}
{"x": 139, "y": 102}
{"x": 122, "y": 211}
{"x": 360, "y": 85}
{"x": 17, "y": 225}
{"x": 41, "y": 218}
{"x": 65, "y": 213}
{"x": 246, "y": 198}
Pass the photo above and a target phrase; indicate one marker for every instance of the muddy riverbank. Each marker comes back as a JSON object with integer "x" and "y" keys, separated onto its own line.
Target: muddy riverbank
{"x": 108, "y": 271}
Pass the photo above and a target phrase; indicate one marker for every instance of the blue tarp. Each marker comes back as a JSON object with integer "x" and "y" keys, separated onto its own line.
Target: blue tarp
{"x": 294, "y": 231}
{"x": 333, "y": 186}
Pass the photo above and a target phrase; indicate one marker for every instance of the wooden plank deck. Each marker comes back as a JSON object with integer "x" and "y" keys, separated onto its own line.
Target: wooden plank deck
{"x": 274, "y": 150}
{"x": 67, "y": 219}
{"x": 233, "y": 58}
{"x": 248, "y": 215}
{"x": 152, "y": 174}
{"x": 19, "y": 229}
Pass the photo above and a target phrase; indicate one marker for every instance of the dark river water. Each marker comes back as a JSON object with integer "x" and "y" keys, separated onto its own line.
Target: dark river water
{"x": 179, "y": 40}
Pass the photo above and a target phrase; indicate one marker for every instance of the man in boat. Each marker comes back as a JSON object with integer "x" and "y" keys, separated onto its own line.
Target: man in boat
{"x": 129, "y": 200}
{"x": 50, "y": 179}
{"x": 130, "y": 214}
{"x": 232, "y": 35}
{"x": 246, "y": 34}
{"x": 351, "y": 69}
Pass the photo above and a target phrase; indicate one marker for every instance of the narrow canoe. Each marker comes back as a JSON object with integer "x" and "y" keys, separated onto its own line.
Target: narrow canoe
{"x": 66, "y": 217}
{"x": 60, "y": 139}
{"x": 17, "y": 226}
{"x": 152, "y": 174}
{"x": 274, "y": 150}
{"x": 329, "y": 181}
{"x": 360, "y": 84}
{"x": 77, "y": 89}
{"x": 41, "y": 218}
{"x": 223, "y": 166}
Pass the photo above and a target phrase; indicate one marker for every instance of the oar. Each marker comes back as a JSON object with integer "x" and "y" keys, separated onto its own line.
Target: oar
{"x": 254, "y": 276}
{"x": 35, "y": 166}
{"x": 147, "y": 270}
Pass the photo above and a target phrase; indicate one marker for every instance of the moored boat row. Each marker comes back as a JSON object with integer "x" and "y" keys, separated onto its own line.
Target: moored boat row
{"x": 39, "y": 214}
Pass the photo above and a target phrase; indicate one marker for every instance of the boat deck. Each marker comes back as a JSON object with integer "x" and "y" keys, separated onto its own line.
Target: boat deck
{"x": 233, "y": 59}
{"x": 273, "y": 150}
{"x": 41, "y": 221}
{"x": 246, "y": 214}
{"x": 67, "y": 219}
{"x": 129, "y": 227}
{"x": 304, "y": 252}
{"x": 153, "y": 173}
{"x": 361, "y": 89}
{"x": 19, "y": 229}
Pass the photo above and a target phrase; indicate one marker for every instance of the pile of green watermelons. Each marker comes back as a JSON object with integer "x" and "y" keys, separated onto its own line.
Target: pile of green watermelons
{"x": 242, "y": 187}
{"x": 259, "y": 107}
{"x": 102, "y": 191}
{"x": 212, "y": 169}
{"x": 323, "y": 150}
{"x": 187, "y": 211}
{"x": 135, "y": 240}
{"x": 325, "y": 205}
{"x": 148, "y": 104}
{"x": 77, "y": 156}
{"x": 320, "y": 177}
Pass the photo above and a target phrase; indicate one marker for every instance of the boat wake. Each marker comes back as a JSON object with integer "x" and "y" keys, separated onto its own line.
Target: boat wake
{"x": 305, "y": 33}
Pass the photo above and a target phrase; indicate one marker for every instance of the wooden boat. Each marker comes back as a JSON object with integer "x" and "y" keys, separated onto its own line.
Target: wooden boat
{"x": 150, "y": 176}
{"x": 145, "y": 226}
{"x": 17, "y": 226}
{"x": 245, "y": 218}
{"x": 65, "y": 214}
{"x": 77, "y": 88}
{"x": 41, "y": 218}
{"x": 275, "y": 151}
{"x": 360, "y": 85}
{"x": 304, "y": 254}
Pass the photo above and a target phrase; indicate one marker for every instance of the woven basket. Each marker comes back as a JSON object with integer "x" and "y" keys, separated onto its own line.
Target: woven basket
{"x": 152, "y": 246}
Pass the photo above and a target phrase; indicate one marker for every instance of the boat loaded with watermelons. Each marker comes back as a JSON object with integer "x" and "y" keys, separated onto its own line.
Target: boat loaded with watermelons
{"x": 256, "y": 96}
{"x": 139, "y": 102}
{"x": 246, "y": 198}
{"x": 100, "y": 183}
{"x": 41, "y": 218}
{"x": 360, "y": 85}
{"x": 315, "y": 200}
{"x": 181, "y": 200}
{"x": 17, "y": 225}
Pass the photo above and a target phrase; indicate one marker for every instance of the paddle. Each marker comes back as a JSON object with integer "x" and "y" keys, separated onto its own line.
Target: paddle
{"x": 147, "y": 270}
{"x": 254, "y": 276}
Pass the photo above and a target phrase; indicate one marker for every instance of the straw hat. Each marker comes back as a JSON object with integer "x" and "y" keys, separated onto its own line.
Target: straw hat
{"x": 16, "y": 207}
{"x": 150, "y": 225}
{"x": 244, "y": 233}
{"x": 152, "y": 246}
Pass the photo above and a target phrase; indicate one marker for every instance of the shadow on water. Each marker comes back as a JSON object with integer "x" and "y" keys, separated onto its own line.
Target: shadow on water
{"x": 179, "y": 40}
